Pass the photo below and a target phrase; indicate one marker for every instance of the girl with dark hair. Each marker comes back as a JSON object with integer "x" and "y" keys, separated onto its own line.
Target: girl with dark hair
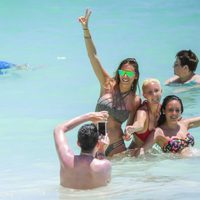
{"x": 172, "y": 132}
{"x": 117, "y": 94}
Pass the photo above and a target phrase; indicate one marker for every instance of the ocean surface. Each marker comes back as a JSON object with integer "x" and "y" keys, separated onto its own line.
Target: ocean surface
{"x": 60, "y": 85}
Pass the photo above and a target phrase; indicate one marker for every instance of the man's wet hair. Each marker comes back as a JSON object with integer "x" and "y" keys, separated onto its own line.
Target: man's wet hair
{"x": 88, "y": 137}
{"x": 189, "y": 58}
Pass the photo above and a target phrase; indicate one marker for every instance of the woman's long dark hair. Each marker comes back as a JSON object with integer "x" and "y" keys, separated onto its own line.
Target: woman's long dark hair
{"x": 132, "y": 62}
{"x": 166, "y": 100}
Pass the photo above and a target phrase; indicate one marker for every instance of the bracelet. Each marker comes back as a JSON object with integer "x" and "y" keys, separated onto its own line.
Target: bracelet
{"x": 87, "y": 37}
{"x": 85, "y": 29}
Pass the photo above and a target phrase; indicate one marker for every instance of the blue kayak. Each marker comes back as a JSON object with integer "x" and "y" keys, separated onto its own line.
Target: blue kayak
{"x": 6, "y": 65}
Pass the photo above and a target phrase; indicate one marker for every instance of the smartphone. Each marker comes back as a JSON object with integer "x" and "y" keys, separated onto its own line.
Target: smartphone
{"x": 102, "y": 128}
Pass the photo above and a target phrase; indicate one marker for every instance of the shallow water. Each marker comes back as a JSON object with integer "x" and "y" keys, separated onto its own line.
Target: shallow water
{"x": 61, "y": 85}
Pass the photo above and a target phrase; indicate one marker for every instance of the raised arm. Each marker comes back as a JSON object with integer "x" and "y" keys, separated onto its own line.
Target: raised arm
{"x": 101, "y": 74}
{"x": 65, "y": 154}
{"x": 192, "y": 122}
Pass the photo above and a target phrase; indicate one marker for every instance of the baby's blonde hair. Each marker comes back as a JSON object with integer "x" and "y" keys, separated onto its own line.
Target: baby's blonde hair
{"x": 149, "y": 80}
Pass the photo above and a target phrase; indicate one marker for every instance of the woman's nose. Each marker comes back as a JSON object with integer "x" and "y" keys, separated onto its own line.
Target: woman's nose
{"x": 125, "y": 75}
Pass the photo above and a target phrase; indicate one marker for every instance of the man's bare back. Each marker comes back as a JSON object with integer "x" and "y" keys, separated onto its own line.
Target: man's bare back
{"x": 83, "y": 171}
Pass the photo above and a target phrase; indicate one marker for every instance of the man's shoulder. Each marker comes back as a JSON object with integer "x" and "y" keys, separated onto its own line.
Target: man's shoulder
{"x": 102, "y": 169}
{"x": 196, "y": 78}
{"x": 68, "y": 160}
{"x": 174, "y": 79}
{"x": 103, "y": 164}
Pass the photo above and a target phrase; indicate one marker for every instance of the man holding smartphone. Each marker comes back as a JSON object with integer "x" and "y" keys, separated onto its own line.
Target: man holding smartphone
{"x": 84, "y": 171}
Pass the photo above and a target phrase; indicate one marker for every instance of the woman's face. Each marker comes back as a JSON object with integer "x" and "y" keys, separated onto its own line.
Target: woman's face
{"x": 152, "y": 92}
{"x": 173, "y": 111}
{"x": 127, "y": 74}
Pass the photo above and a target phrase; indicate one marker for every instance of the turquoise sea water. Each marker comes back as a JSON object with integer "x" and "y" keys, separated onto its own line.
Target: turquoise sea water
{"x": 61, "y": 84}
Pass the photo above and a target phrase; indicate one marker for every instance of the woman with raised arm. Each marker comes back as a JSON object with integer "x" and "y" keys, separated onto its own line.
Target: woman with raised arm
{"x": 117, "y": 94}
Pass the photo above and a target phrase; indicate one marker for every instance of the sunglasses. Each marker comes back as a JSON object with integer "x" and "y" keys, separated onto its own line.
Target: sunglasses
{"x": 128, "y": 73}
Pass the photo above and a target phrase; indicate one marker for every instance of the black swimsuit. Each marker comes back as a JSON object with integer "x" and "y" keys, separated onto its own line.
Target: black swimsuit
{"x": 115, "y": 106}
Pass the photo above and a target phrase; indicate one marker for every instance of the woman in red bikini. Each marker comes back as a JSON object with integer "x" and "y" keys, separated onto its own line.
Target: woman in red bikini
{"x": 172, "y": 132}
{"x": 147, "y": 115}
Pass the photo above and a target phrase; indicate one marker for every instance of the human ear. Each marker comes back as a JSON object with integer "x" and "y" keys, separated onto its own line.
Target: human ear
{"x": 185, "y": 67}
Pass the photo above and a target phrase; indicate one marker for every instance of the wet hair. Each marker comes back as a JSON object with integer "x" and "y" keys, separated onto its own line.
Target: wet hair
{"x": 132, "y": 62}
{"x": 150, "y": 80}
{"x": 88, "y": 137}
{"x": 189, "y": 58}
{"x": 166, "y": 100}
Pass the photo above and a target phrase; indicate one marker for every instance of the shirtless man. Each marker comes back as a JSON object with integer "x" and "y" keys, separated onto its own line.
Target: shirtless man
{"x": 184, "y": 69}
{"x": 83, "y": 171}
